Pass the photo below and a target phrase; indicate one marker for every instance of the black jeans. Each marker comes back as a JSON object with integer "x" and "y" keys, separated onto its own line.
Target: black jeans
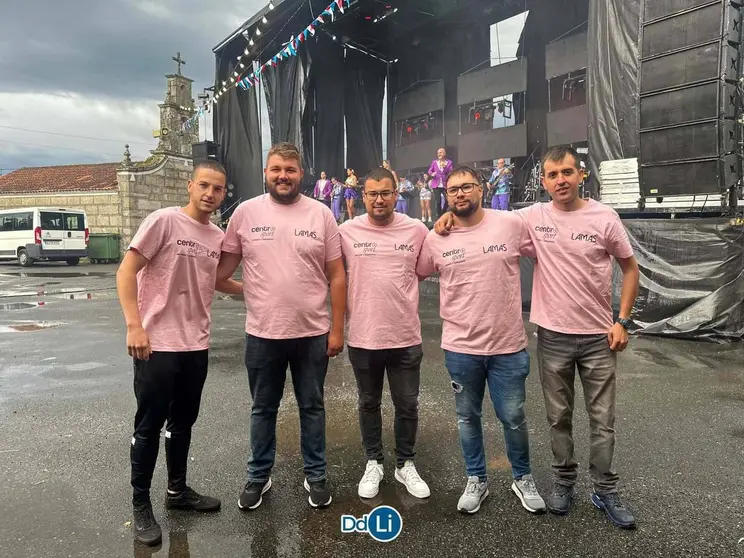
{"x": 168, "y": 389}
{"x": 404, "y": 373}
{"x": 267, "y": 361}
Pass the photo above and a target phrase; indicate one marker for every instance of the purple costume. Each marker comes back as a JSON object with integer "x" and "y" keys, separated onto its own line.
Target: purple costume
{"x": 439, "y": 177}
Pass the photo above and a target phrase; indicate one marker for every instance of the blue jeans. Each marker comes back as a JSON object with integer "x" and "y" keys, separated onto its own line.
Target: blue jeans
{"x": 505, "y": 375}
{"x": 267, "y": 361}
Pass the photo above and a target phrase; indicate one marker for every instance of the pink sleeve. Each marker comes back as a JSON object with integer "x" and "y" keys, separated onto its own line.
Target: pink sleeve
{"x": 333, "y": 238}
{"x": 616, "y": 238}
{"x": 425, "y": 265}
{"x": 232, "y": 243}
{"x": 526, "y": 246}
{"x": 151, "y": 235}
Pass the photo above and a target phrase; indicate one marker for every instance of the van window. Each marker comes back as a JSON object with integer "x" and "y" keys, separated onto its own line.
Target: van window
{"x": 17, "y": 221}
{"x": 51, "y": 221}
{"x": 74, "y": 222}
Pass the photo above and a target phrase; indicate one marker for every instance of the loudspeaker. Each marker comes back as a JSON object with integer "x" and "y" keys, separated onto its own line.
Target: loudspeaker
{"x": 690, "y": 64}
{"x": 203, "y": 151}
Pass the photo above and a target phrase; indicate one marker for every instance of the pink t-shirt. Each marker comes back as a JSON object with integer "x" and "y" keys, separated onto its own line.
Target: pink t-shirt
{"x": 383, "y": 290}
{"x": 480, "y": 300}
{"x": 572, "y": 284}
{"x": 176, "y": 287}
{"x": 285, "y": 249}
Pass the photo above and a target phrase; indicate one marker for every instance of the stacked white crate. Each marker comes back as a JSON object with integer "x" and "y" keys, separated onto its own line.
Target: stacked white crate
{"x": 620, "y": 188}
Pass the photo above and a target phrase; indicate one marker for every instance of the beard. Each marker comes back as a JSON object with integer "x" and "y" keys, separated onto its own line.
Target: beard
{"x": 466, "y": 211}
{"x": 381, "y": 216}
{"x": 283, "y": 197}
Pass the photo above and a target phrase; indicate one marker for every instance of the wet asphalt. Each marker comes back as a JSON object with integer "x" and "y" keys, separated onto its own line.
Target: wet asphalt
{"x": 66, "y": 412}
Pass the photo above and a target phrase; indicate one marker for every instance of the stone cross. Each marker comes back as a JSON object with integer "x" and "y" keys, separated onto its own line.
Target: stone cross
{"x": 178, "y": 60}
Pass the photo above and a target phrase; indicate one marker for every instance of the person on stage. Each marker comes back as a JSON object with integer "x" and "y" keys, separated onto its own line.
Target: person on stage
{"x": 440, "y": 169}
{"x": 350, "y": 193}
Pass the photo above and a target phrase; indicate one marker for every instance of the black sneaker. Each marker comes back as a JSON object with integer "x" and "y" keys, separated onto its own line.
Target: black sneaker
{"x": 252, "y": 495}
{"x": 191, "y": 500}
{"x": 560, "y": 500}
{"x": 320, "y": 496}
{"x": 146, "y": 530}
{"x": 614, "y": 509}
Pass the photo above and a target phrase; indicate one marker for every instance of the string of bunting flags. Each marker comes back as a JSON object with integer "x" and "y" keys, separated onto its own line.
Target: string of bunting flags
{"x": 254, "y": 78}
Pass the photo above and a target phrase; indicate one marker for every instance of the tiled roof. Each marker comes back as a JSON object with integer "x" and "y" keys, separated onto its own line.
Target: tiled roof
{"x": 67, "y": 178}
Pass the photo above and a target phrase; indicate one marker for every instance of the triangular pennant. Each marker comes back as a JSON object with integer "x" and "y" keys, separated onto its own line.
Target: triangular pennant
{"x": 311, "y": 29}
{"x": 340, "y": 4}
{"x": 303, "y": 36}
{"x": 331, "y": 12}
{"x": 320, "y": 19}
{"x": 280, "y": 56}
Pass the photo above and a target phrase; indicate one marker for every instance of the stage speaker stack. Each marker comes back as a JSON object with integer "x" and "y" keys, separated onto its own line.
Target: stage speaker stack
{"x": 203, "y": 151}
{"x": 689, "y": 98}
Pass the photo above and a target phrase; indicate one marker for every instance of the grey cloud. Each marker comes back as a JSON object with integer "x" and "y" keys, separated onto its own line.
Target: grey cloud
{"x": 111, "y": 48}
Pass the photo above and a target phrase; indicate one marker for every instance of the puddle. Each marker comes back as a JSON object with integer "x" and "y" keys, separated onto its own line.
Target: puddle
{"x": 29, "y": 326}
{"x": 56, "y": 274}
{"x": 18, "y": 305}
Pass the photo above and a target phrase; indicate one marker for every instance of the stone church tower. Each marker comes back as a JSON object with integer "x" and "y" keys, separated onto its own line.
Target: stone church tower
{"x": 177, "y": 108}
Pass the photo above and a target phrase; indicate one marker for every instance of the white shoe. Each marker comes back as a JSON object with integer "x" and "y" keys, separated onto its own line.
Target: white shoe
{"x": 475, "y": 492}
{"x": 526, "y": 491}
{"x": 409, "y": 477}
{"x": 369, "y": 486}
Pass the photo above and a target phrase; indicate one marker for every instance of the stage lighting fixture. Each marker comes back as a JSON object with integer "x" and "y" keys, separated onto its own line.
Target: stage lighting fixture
{"x": 500, "y": 107}
{"x": 271, "y": 5}
{"x": 368, "y": 18}
{"x": 488, "y": 114}
{"x": 264, "y": 20}
{"x": 258, "y": 32}
{"x": 477, "y": 115}
{"x": 409, "y": 129}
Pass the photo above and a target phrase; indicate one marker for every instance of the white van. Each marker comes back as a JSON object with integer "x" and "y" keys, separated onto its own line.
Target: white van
{"x": 43, "y": 233}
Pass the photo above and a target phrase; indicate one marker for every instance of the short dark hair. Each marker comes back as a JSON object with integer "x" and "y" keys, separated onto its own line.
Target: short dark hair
{"x": 459, "y": 170}
{"x": 557, "y": 154}
{"x": 210, "y": 164}
{"x": 378, "y": 174}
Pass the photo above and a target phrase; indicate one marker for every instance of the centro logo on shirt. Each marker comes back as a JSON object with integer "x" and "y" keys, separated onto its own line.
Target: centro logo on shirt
{"x": 405, "y": 247}
{"x": 383, "y": 524}
{"x": 189, "y": 243}
{"x": 457, "y": 255}
{"x": 583, "y": 237}
{"x": 367, "y": 248}
{"x": 494, "y": 248}
{"x": 549, "y": 233}
{"x": 195, "y": 250}
{"x": 306, "y": 233}
{"x": 266, "y": 231}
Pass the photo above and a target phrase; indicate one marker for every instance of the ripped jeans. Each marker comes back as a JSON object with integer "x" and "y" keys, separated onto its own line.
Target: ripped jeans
{"x": 505, "y": 376}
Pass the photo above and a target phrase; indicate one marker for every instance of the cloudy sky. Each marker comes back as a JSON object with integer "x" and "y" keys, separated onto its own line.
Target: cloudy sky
{"x": 95, "y": 69}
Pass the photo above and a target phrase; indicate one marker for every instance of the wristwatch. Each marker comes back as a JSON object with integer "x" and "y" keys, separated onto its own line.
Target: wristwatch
{"x": 623, "y": 322}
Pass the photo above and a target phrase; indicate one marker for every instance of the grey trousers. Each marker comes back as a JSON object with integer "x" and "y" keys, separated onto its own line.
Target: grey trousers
{"x": 559, "y": 356}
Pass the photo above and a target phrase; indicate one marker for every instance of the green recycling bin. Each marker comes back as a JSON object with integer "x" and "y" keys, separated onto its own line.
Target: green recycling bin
{"x": 103, "y": 248}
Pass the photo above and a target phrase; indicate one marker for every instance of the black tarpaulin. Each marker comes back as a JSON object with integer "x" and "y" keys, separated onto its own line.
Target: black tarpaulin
{"x": 284, "y": 103}
{"x": 364, "y": 92}
{"x": 327, "y": 94}
{"x": 692, "y": 278}
{"x": 614, "y": 27}
{"x": 238, "y": 139}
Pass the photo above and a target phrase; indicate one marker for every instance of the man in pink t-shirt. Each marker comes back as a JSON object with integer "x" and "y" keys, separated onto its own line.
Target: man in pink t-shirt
{"x": 166, "y": 283}
{"x": 381, "y": 250}
{"x": 290, "y": 249}
{"x": 478, "y": 265}
{"x": 575, "y": 241}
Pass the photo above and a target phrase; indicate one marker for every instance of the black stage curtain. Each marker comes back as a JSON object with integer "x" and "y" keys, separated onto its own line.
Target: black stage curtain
{"x": 613, "y": 79}
{"x": 364, "y": 92}
{"x": 327, "y": 95}
{"x": 236, "y": 132}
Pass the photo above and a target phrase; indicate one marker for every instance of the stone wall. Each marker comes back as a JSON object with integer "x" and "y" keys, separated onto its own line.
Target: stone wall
{"x": 161, "y": 181}
{"x": 103, "y": 208}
